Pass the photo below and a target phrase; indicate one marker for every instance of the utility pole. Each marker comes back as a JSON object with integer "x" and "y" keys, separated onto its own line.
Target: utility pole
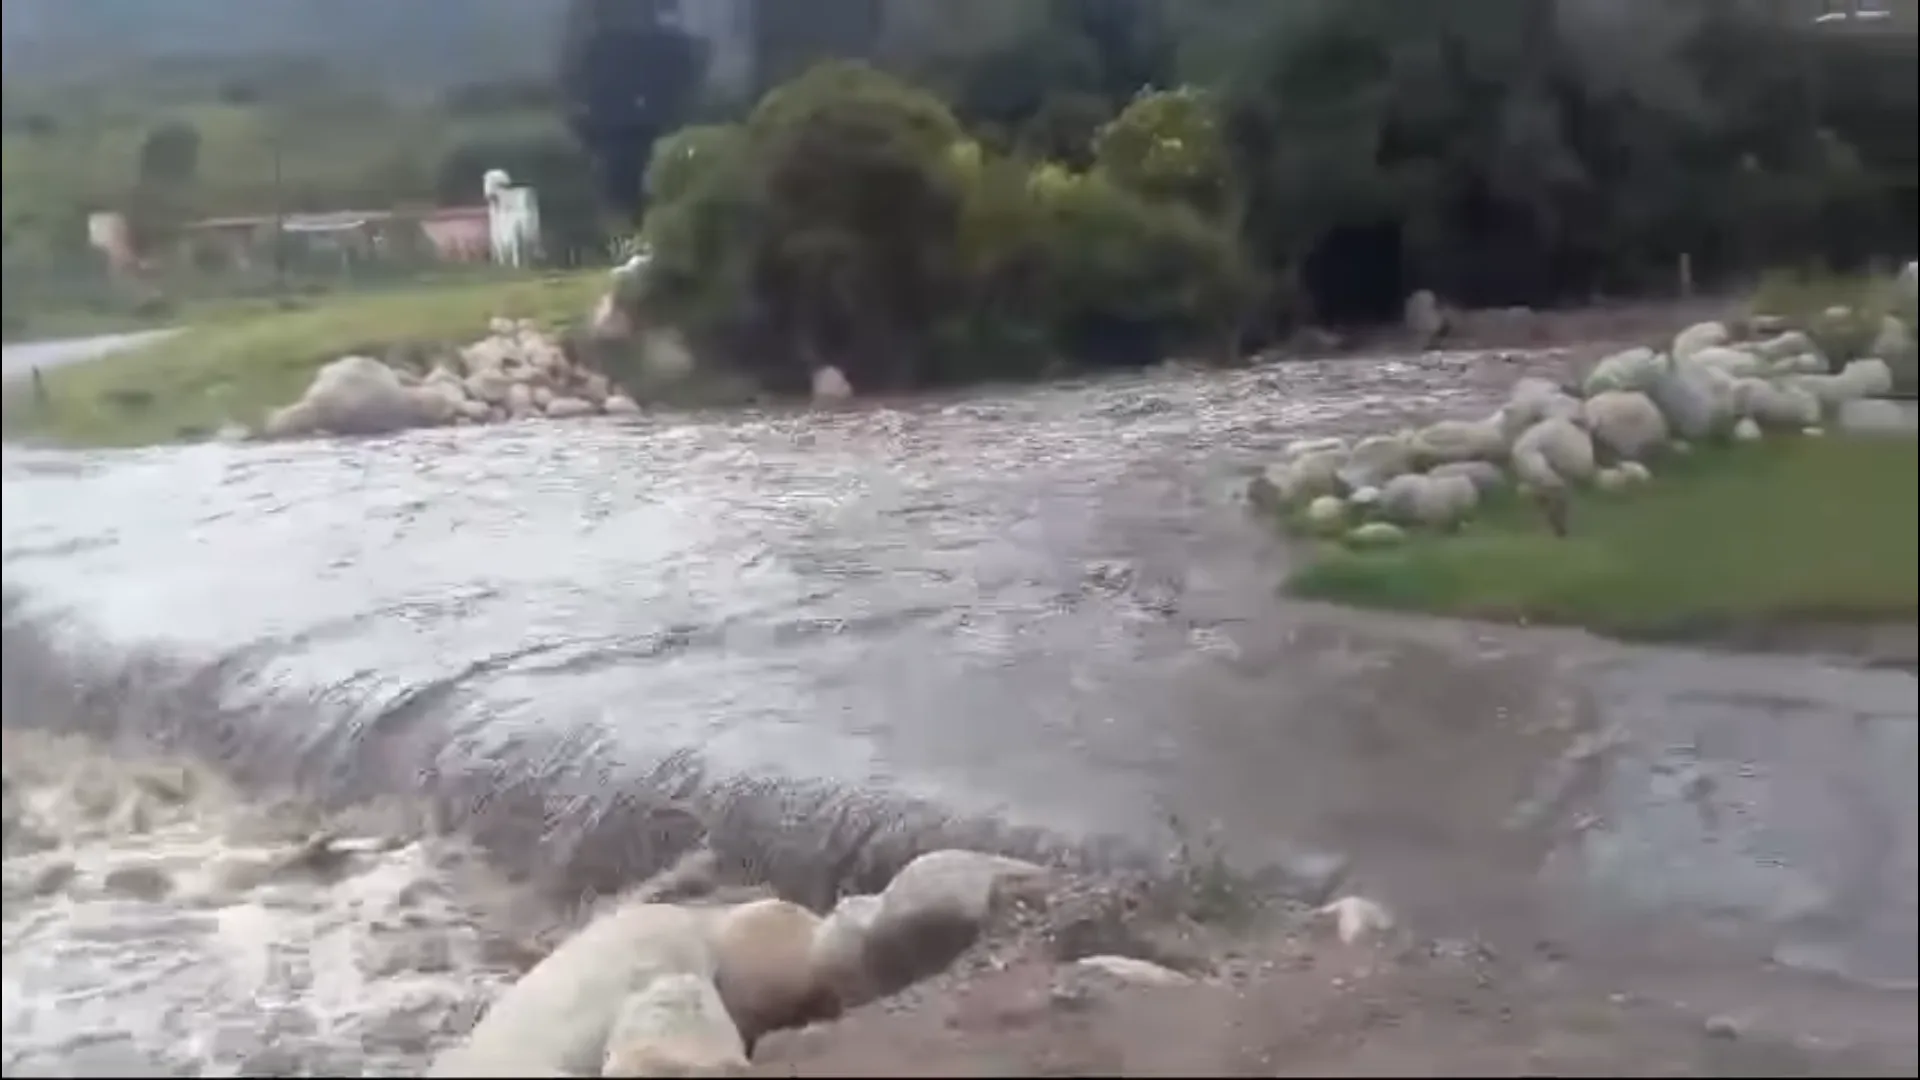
{"x": 279, "y": 224}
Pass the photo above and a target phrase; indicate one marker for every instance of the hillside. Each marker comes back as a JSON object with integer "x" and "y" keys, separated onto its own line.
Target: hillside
{"x": 422, "y": 43}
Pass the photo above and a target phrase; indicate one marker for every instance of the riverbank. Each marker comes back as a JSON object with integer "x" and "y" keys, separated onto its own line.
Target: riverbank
{"x": 355, "y": 943}
{"x": 236, "y": 368}
{"x": 1727, "y": 541}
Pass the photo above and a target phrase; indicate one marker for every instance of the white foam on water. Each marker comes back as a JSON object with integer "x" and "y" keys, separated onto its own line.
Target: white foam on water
{"x": 156, "y": 924}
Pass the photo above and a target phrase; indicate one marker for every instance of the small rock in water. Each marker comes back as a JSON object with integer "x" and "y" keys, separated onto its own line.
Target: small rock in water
{"x": 1746, "y": 430}
{"x": 1356, "y": 918}
{"x": 1723, "y": 1027}
{"x": 1131, "y": 970}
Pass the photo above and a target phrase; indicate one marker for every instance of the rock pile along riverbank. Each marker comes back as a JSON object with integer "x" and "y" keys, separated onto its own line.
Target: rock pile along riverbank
{"x": 516, "y": 372}
{"x": 1631, "y": 408}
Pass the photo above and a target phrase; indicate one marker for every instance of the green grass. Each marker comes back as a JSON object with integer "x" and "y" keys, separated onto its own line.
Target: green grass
{"x": 1782, "y": 531}
{"x": 244, "y": 362}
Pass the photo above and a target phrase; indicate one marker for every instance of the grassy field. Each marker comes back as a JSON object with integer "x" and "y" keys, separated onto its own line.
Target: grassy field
{"x": 244, "y": 361}
{"x": 1782, "y": 531}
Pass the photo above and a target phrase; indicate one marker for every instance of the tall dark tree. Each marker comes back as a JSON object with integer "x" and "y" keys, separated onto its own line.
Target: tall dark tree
{"x": 628, "y": 75}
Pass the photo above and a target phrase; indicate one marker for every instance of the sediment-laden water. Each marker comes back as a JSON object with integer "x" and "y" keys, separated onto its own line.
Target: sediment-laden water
{"x": 1040, "y": 621}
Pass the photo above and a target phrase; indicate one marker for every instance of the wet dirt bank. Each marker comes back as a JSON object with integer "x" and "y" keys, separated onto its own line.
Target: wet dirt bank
{"x": 1039, "y": 622}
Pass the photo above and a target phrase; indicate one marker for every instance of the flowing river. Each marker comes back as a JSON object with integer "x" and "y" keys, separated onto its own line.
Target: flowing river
{"x": 1036, "y": 619}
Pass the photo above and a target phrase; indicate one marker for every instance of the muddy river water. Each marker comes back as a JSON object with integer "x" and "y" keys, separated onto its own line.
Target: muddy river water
{"x": 1047, "y": 609}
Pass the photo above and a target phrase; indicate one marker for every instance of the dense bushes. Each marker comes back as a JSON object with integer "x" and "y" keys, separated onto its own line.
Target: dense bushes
{"x": 1331, "y": 156}
{"x": 850, "y": 221}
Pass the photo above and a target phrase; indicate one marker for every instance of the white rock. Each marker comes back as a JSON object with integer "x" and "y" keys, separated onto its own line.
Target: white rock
{"x": 1745, "y": 430}
{"x": 566, "y": 408}
{"x": 1610, "y": 480}
{"x": 489, "y": 384}
{"x": 1696, "y": 400}
{"x": 764, "y": 968}
{"x": 1356, "y": 918}
{"x": 1630, "y": 369}
{"x": 1738, "y": 363}
{"x": 830, "y": 385}
{"x": 1460, "y": 440}
{"x": 1375, "y": 460}
{"x": 1697, "y": 337}
{"x": 1485, "y": 476}
{"x": 474, "y": 411}
{"x": 1875, "y": 417}
{"x": 1626, "y": 422}
{"x": 1870, "y": 377}
{"x": 1806, "y": 363}
{"x": 500, "y": 327}
{"x": 1326, "y": 512}
{"x": 1552, "y": 453}
{"x": 1533, "y": 400}
{"x": 519, "y": 402}
{"x": 620, "y": 405}
{"x": 558, "y": 1016}
{"x": 1428, "y": 500}
{"x": 1782, "y": 346}
{"x": 1776, "y": 405}
{"x": 1424, "y": 319}
{"x": 1367, "y": 498}
{"x": 1813, "y": 432}
{"x": 839, "y": 957}
{"x": 291, "y": 421}
{"x": 1130, "y": 970}
{"x": 676, "y": 1025}
{"x": 1909, "y": 282}
{"x": 1635, "y": 472}
{"x": 934, "y": 908}
{"x": 1302, "y": 447}
{"x": 358, "y": 395}
{"x": 1377, "y": 534}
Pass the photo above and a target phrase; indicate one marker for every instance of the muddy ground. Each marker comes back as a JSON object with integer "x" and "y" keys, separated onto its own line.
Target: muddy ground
{"x": 1292, "y": 1000}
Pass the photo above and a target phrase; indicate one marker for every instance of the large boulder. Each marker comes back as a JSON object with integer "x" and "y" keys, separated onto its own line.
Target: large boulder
{"x": 839, "y": 958}
{"x": 1460, "y": 440}
{"x": 1781, "y": 346}
{"x": 1877, "y": 417}
{"x": 1696, "y": 400}
{"x": 830, "y": 385}
{"x": 1630, "y": 369}
{"x": 1424, "y": 318}
{"x": 1738, "y": 363}
{"x": 1552, "y": 454}
{"x": 1699, "y": 336}
{"x": 764, "y": 968}
{"x": 676, "y": 1025}
{"x": 358, "y": 395}
{"x": 1376, "y": 460}
{"x": 1626, "y": 422}
{"x": 1776, "y": 405}
{"x": 1432, "y": 501}
{"x": 558, "y": 1017}
{"x": 291, "y": 422}
{"x": 1485, "y": 476}
{"x": 1535, "y": 399}
{"x": 934, "y": 909}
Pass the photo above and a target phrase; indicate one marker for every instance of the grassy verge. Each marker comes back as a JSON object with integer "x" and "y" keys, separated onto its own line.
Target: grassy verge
{"x": 240, "y": 365}
{"x": 1730, "y": 538}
